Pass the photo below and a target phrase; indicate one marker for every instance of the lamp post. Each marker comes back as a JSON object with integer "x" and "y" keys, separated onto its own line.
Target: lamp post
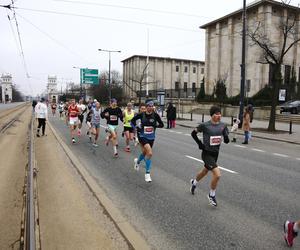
{"x": 243, "y": 66}
{"x": 109, "y": 64}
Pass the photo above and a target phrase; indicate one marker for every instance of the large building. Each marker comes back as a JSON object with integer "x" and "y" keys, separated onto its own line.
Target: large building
{"x": 223, "y": 47}
{"x": 6, "y": 88}
{"x": 52, "y": 91}
{"x": 177, "y": 78}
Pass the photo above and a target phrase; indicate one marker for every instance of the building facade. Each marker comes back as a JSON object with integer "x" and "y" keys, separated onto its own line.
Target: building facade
{"x": 52, "y": 91}
{"x": 223, "y": 47}
{"x": 177, "y": 78}
{"x": 6, "y": 88}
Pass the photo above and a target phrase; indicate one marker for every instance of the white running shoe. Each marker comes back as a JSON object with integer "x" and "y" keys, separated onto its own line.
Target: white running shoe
{"x": 136, "y": 166}
{"x": 73, "y": 141}
{"x": 95, "y": 145}
{"x": 147, "y": 178}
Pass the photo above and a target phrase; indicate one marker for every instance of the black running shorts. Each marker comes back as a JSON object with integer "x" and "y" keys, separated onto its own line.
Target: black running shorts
{"x": 210, "y": 159}
{"x": 80, "y": 117}
{"x": 130, "y": 129}
{"x": 144, "y": 141}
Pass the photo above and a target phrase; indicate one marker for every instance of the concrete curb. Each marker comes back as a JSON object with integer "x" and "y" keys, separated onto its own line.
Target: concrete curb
{"x": 134, "y": 238}
{"x": 255, "y": 136}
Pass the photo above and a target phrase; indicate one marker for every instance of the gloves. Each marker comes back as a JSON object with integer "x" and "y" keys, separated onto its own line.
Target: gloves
{"x": 199, "y": 142}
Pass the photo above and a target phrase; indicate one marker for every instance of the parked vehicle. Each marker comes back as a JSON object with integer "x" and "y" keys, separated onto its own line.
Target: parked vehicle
{"x": 292, "y": 107}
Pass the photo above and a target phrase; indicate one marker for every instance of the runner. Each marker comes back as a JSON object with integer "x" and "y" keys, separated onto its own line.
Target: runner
{"x": 66, "y": 109}
{"x": 73, "y": 112}
{"x": 53, "y": 108}
{"x": 61, "y": 109}
{"x": 137, "y": 130}
{"x": 88, "y": 120}
{"x": 146, "y": 135}
{"x": 112, "y": 114}
{"x": 213, "y": 131}
{"x": 96, "y": 116}
{"x": 82, "y": 110}
{"x": 128, "y": 114}
{"x": 41, "y": 113}
{"x": 291, "y": 230}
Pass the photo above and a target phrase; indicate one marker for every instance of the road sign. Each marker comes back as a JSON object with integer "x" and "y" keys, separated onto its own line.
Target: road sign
{"x": 89, "y": 76}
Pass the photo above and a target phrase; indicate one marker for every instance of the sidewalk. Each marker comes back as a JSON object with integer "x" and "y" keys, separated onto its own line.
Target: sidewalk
{"x": 69, "y": 215}
{"x": 258, "y": 127}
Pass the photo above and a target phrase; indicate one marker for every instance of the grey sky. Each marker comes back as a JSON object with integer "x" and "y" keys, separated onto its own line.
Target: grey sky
{"x": 54, "y": 43}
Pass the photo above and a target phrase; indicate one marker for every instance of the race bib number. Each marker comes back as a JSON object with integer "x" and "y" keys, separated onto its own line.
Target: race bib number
{"x": 215, "y": 140}
{"x": 113, "y": 118}
{"x": 148, "y": 130}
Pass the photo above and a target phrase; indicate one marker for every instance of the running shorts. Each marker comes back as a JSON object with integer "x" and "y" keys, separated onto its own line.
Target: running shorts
{"x": 112, "y": 128}
{"x": 130, "y": 129}
{"x": 73, "y": 120}
{"x": 95, "y": 125}
{"x": 144, "y": 141}
{"x": 80, "y": 117}
{"x": 210, "y": 159}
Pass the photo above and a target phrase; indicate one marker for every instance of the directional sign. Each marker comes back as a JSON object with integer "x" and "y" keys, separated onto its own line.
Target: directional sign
{"x": 89, "y": 76}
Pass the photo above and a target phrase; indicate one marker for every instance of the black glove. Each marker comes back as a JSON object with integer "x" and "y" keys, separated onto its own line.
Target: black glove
{"x": 199, "y": 142}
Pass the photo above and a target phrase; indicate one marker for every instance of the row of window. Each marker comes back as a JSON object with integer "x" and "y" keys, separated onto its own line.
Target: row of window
{"x": 185, "y": 86}
{"x": 186, "y": 69}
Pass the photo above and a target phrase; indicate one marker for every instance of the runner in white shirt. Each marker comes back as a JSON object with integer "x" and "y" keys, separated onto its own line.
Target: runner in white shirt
{"x": 82, "y": 109}
{"x": 41, "y": 113}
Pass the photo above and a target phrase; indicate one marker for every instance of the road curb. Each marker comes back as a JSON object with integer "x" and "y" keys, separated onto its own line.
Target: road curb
{"x": 134, "y": 238}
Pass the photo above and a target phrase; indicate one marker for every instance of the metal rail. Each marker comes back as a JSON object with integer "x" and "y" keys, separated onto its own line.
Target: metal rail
{"x": 30, "y": 215}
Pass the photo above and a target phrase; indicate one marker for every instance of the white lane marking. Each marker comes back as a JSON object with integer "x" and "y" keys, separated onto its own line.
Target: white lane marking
{"x": 178, "y": 132}
{"x": 281, "y": 155}
{"x": 239, "y": 146}
{"x": 187, "y": 134}
{"x": 225, "y": 169}
{"x": 171, "y": 131}
{"x": 298, "y": 159}
{"x": 258, "y": 150}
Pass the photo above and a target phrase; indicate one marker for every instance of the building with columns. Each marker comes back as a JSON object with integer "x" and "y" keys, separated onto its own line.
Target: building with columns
{"x": 223, "y": 47}
{"x": 177, "y": 78}
{"x": 6, "y": 88}
{"x": 52, "y": 91}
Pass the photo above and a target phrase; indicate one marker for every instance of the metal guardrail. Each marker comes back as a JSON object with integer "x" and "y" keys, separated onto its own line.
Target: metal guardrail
{"x": 30, "y": 215}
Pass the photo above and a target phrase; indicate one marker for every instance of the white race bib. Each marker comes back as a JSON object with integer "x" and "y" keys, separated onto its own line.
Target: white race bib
{"x": 113, "y": 118}
{"x": 215, "y": 140}
{"x": 148, "y": 130}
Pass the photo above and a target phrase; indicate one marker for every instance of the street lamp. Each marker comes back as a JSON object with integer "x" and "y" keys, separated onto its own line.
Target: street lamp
{"x": 109, "y": 63}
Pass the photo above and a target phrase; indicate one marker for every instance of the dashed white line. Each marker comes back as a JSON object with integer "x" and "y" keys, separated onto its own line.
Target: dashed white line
{"x": 187, "y": 134}
{"x": 258, "y": 150}
{"x": 178, "y": 132}
{"x": 225, "y": 169}
{"x": 281, "y": 155}
{"x": 239, "y": 146}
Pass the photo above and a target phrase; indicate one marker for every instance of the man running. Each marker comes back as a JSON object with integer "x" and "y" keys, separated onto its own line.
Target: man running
{"x": 291, "y": 230}
{"x": 53, "y": 107}
{"x": 128, "y": 114}
{"x": 73, "y": 112}
{"x": 88, "y": 120}
{"x": 41, "y": 113}
{"x": 112, "y": 114}
{"x": 61, "y": 109}
{"x": 213, "y": 131}
{"x": 146, "y": 136}
{"x": 82, "y": 109}
{"x": 96, "y": 116}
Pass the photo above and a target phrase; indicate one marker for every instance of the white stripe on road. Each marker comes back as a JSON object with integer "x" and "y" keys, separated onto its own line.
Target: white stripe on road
{"x": 239, "y": 146}
{"x": 258, "y": 150}
{"x": 178, "y": 132}
{"x": 298, "y": 159}
{"x": 225, "y": 169}
{"x": 187, "y": 134}
{"x": 281, "y": 155}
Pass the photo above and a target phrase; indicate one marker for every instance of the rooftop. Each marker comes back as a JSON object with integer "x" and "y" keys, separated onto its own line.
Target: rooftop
{"x": 162, "y": 58}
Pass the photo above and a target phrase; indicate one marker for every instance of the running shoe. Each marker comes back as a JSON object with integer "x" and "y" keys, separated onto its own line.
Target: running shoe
{"x": 95, "y": 145}
{"x": 193, "y": 187}
{"x": 116, "y": 155}
{"x": 147, "y": 178}
{"x": 289, "y": 234}
{"x": 87, "y": 132}
{"x": 212, "y": 200}
{"x": 73, "y": 141}
{"x": 38, "y": 135}
{"x": 127, "y": 150}
{"x": 136, "y": 166}
{"x": 79, "y": 133}
{"x": 106, "y": 130}
{"x": 90, "y": 138}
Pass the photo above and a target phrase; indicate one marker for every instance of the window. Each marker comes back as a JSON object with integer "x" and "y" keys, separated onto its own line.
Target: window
{"x": 194, "y": 70}
{"x": 194, "y": 87}
{"x": 287, "y": 73}
{"x": 177, "y": 68}
{"x": 185, "y": 87}
{"x": 185, "y": 69}
{"x": 176, "y": 86}
{"x": 202, "y": 71}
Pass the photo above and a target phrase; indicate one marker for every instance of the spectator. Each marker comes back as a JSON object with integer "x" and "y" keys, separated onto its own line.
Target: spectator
{"x": 246, "y": 125}
{"x": 169, "y": 115}
{"x": 173, "y": 116}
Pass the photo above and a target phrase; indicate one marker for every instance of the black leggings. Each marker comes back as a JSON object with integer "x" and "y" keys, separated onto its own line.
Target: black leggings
{"x": 42, "y": 123}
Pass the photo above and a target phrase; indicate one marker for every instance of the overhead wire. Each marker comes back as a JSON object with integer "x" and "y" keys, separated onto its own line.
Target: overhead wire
{"x": 134, "y": 8}
{"x": 106, "y": 18}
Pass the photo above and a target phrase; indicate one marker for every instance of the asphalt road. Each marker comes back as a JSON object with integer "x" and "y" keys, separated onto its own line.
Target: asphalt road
{"x": 258, "y": 191}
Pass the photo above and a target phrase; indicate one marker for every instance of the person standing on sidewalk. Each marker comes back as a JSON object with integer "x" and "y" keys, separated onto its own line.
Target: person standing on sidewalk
{"x": 146, "y": 135}
{"x": 234, "y": 128}
{"x": 169, "y": 115}
{"x": 41, "y": 113}
{"x": 213, "y": 131}
{"x": 173, "y": 116}
{"x": 246, "y": 125}
{"x": 291, "y": 230}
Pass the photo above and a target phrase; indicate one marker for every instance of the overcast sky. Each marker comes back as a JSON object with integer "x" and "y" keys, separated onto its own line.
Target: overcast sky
{"x": 54, "y": 43}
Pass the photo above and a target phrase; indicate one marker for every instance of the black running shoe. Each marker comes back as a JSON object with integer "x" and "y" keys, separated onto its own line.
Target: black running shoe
{"x": 38, "y": 135}
{"x": 193, "y": 187}
{"x": 212, "y": 200}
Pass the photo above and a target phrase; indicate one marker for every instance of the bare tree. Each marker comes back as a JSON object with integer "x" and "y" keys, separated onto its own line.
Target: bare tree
{"x": 274, "y": 52}
{"x": 140, "y": 82}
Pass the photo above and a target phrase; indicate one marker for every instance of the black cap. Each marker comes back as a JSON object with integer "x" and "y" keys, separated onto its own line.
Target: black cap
{"x": 214, "y": 109}
{"x": 42, "y": 99}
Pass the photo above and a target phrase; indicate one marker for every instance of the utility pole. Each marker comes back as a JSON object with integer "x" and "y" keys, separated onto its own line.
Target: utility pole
{"x": 109, "y": 65}
{"x": 243, "y": 66}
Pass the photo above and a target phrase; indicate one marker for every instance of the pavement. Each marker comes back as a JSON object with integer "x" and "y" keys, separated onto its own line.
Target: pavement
{"x": 258, "y": 128}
